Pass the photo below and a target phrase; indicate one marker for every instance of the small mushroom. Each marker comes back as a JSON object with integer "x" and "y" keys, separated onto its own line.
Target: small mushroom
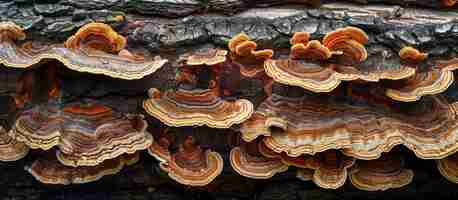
{"x": 97, "y": 36}
{"x": 249, "y": 162}
{"x": 412, "y": 55}
{"x": 193, "y": 166}
{"x": 382, "y": 174}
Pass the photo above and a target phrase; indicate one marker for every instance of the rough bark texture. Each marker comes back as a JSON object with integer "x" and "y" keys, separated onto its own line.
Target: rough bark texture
{"x": 170, "y": 28}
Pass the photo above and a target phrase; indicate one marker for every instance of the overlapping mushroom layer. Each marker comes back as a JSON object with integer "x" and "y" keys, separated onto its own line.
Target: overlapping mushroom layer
{"x": 196, "y": 108}
{"x": 10, "y": 149}
{"x": 308, "y": 125}
{"x": 50, "y": 171}
{"x": 96, "y": 48}
{"x": 86, "y": 134}
{"x": 381, "y": 174}
{"x": 190, "y": 165}
{"x": 321, "y": 67}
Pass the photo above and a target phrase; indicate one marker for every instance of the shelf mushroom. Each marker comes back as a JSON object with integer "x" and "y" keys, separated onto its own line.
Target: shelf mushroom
{"x": 10, "y": 149}
{"x": 86, "y": 134}
{"x": 342, "y": 56}
{"x": 95, "y": 48}
{"x": 196, "y": 108}
{"x": 193, "y": 166}
{"x": 448, "y": 167}
{"x": 383, "y": 173}
{"x": 49, "y": 170}
{"x": 249, "y": 60}
{"x": 309, "y": 125}
{"x": 429, "y": 82}
{"x": 249, "y": 162}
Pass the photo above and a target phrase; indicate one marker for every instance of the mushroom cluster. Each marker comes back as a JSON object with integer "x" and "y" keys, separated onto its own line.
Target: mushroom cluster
{"x": 329, "y": 131}
{"x": 335, "y": 108}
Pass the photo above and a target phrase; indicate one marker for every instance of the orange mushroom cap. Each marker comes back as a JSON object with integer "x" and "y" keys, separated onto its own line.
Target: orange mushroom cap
{"x": 411, "y": 54}
{"x": 97, "y": 36}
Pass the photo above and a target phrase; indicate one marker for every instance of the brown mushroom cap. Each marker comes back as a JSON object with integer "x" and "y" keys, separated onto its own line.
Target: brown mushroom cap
{"x": 10, "y": 149}
{"x": 192, "y": 166}
{"x": 383, "y": 173}
{"x": 197, "y": 108}
{"x": 448, "y": 167}
{"x": 90, "y": 50}
{"x": 423, "y": 83}
{"x": 245, "y": 55}
{"x": 85, "y": 134}
{"x": 350, "y": 41}
{"x": 97, "y": 36}
{"x": 49, "y": 170}
{"x": 207, "y": 57}
{"x": 313, "y": 125}
{"x": 412, "y": 55}
{"x": 248, "y": 162}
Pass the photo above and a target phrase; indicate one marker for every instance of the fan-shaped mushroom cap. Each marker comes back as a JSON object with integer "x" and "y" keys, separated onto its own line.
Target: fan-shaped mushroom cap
{"x": 85, "y": 134}
{"x": 448, "y": 167}
{"x": 310, "y": 76}
{"x": 313, "y": 50}
{"x": 423, "y": 83}
{"x": 412, "y": 55}
{"x": 197, "y": 108}
{"x": 326, "y": 169}
{"x": 207, "y": 57}
{"x": 248, "y": 162}
{"x": 10, "y": 149}
{"x": 313, "y": 125}
{"x": 50, "y": 171}
{"x": 92, "y": 49}
{"x": 10, "y": 31}
{"x": 245, "y": 55}
{"x": 97, "y": 36}
{"x": 350, "y": 41}
{"x": 382, "y": 174}
{"x": 331, "y": 169}
{"x": 192, "y": 166}
{"x": 326, "y": 77}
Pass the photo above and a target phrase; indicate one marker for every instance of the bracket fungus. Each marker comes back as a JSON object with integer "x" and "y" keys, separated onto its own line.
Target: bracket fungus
{"x": 10, "y": 149}
{"x": 448, "y": 167}
{"x": 431, "y": 82}
{"x": 311, "y": 125}
{"x": 50, "y": 171}
{"x": 96, "y": 48}
{"x": 328, "y": 169}
{"x": 193, "y": 166}
{"x": 383, "y": 173}
{"x": 321, "y": 67}
{"x": 249, "y": 162}
{"x": 245, "y": 55}
{"x": 196, "y": 107}
{"x": 86, "y": 134}
{"x": 208, "y": 57}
